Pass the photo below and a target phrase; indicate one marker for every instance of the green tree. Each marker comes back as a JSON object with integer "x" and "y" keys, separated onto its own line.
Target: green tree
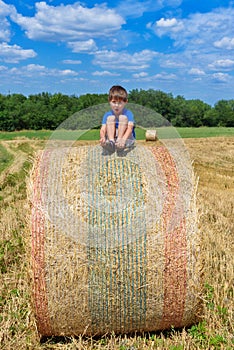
{"x": 225, "y": 112}
{"x": 178, "y": 111}
{"x": 210, "y": 118}
{"x": 151, "y": 108}
{"x": 156, "y": 100}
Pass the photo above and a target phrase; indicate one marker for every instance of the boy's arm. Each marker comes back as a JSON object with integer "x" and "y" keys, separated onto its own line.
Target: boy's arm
{"x": 128, "y": 131}
{"x": 103, "y": 134}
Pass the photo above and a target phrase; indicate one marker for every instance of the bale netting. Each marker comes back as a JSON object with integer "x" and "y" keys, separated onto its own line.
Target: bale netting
{"x": 114, "y": 242}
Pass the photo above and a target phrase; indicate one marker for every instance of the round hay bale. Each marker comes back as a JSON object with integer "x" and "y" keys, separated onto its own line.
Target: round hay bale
{"x": 150, "y": 135}
{"x": 114, "y": 241}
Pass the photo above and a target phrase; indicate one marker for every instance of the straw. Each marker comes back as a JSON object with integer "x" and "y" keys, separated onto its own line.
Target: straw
{"x": 115, "y": 246}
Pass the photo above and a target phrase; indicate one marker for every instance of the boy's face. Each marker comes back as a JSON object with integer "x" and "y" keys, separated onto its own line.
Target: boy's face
{"x": 117, "y": 105}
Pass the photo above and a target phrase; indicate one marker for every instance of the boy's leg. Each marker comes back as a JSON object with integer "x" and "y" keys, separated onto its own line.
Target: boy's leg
{"x": 110, "y": 134}
{"x": 123, "y": 124}
{"x": 110, "y": 128}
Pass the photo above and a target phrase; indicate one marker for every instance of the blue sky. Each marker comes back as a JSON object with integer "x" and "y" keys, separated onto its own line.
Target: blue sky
{"x": 178, "y": 46}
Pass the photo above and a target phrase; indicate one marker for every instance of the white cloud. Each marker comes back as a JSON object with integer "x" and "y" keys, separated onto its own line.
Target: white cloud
{"x": 3, "y": 68}
{"x": 83, "y": 46}
{"x": 105, "y": 73}
{"x": 197, "y": 40}
{"x": 225, "y": 43}
{"x": 65, "y": 72}
{"x": 72, "y": 61}
{"x": 124, "y": 60}
{"x": 69, "y": 22}
{"x": 199, "y": 29}
{"x": 172, "y": 63}
{"x": 36, "y": 70}
{"x": 165, "y": 26}
{"x": 133, "y": 8}
{"x": 5, "y": 10}
{"x": 14, "y": 53}
{"x": 225, "y": 64}
{"x": 4, "y": 29}
{"x": 162, "y": 77}
{"x": 196, "y": 71}
{"x": 140, "y": 75}
{"x": 167, "y": 23}
{"x": 220, "y": 77}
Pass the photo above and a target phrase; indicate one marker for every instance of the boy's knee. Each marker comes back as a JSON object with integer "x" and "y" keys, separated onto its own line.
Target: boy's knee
{"x": 110, "y": 119}
{"x": 123, "y": 119}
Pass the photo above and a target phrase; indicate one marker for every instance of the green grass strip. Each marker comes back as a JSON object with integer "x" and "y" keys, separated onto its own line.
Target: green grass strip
{"x": 205, "y": 132}
{"x": 93, "y": 134}
{"x": 5, "y": 158}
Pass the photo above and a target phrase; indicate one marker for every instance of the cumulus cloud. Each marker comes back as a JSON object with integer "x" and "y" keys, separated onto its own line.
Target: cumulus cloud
{"x": 201, "y": 29}
{"x": 196, "y": 71}
{"x": 10, "y": 53}
{"x": 83, "y": 46}
{"x": 167, "y": 23}
{"x": 165, "y": 26}
{"x": 5, "y": 10}
{"x": 173, "y": 62}
{"x": 197, "y": 40}
{"x": 3, "y": 68}
{"x": 124, "y": 60}
{"x": 162, "y": 77}
{"x": 69, "y": 22}
{"x": 105, "y": 73}
{"x": 226, "y": 64}
{"x": 4, "y": 30}
{"x": 140, "y": 75}
{"x": 72, "y": 61}
{"x": 14, "y": 53}
{"x": 133, "y": 8}
{"x": 220, "y": 77}
{"x": 225, "y": 43}
{"x": 32, "y": 70}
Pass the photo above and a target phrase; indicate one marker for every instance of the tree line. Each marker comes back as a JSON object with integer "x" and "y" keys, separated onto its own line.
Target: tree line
{"x": 48, "y": 111}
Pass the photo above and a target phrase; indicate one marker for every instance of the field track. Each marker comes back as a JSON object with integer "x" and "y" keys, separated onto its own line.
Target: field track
{"x": 213, "y": 161}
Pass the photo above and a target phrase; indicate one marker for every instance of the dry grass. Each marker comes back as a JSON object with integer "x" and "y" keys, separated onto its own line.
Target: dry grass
{"x": 213, "y": 162}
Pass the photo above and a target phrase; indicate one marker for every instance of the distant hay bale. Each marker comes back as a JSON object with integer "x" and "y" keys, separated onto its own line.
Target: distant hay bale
{"x": 151, "y": 135}
{"x": 114, "y": 243}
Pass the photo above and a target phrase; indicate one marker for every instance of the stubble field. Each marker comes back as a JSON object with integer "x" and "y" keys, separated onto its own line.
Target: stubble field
{"x": 213, "y": 160}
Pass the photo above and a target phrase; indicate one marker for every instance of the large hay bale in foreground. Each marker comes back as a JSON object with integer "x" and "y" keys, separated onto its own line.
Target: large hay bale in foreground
{"x": 114, "y": 241}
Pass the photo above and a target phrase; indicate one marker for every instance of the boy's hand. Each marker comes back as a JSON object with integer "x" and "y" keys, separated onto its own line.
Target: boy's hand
{"x": 120, "y": 143}
{"x": 102, "y": 141}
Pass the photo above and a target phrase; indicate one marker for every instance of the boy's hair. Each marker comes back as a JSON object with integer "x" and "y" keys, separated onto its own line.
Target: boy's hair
{"x": 118, "y": 93}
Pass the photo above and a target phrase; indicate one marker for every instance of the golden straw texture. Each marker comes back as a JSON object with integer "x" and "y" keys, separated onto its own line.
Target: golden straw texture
{"x": 114, "y": 241}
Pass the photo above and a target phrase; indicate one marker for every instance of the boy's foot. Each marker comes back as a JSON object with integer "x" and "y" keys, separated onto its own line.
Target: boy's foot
{"x": 121, "y": 152}
{"x": 120, "y": 144}
{"x": 110, "y": 146}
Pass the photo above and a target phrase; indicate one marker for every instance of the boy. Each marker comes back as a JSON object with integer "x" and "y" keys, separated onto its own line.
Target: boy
{"x": 118, "y": 125}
